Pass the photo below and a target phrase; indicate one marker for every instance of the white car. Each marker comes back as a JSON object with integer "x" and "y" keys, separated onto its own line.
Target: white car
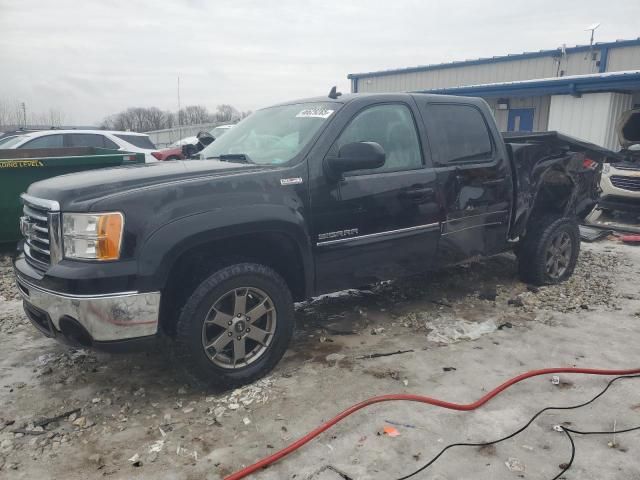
{"x": 220, "y": 130}
{"x": 185, "y": 141}
{"x": 215, "y": 133}
{"x": 620, "y": 181}
{"x": 125, "y": 141}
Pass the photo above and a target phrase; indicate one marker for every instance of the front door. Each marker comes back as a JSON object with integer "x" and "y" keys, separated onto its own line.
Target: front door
{"x": 520, "y": 120}
{"x": 381, "y": 223}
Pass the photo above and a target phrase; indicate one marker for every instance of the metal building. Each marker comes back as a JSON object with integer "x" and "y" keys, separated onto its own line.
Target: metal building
{"x": 577, "y": 90}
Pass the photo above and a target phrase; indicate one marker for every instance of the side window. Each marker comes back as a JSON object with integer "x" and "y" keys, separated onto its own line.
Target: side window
{"x": 47, "y": 141}
{"x": 459, "y": 133}
{"x": 108, "y": 143}
{"x": 85, "y": 140}
{"x": 391, "y": 126}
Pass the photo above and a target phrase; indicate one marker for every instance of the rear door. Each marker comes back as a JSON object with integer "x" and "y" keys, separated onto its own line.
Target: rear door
{"x": 381, "y": 223}
{"x": 473, "y": 172}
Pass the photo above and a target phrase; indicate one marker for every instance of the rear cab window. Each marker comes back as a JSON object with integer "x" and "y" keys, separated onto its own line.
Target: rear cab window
{"x": 140, "y": 141}
{"x": 459, "y": 133}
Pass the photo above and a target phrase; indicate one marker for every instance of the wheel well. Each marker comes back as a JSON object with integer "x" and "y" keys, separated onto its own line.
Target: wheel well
{"x": 555, "y": 195}
{"x": 275, "y": 250}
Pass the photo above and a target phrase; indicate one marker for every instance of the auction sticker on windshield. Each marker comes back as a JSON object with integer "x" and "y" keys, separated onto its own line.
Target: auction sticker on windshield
{"x": 315, "y": 113}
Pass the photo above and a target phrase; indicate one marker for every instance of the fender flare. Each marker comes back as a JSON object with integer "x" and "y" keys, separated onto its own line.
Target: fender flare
{"x": 165, "y": 245}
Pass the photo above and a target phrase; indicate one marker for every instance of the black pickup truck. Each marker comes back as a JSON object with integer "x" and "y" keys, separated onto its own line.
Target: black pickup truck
{"x": 298, "y": 199}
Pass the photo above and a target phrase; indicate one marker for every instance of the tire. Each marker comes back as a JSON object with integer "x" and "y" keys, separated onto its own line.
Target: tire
{"x": 216, "y": 300}
{"x": 543, "y": 258}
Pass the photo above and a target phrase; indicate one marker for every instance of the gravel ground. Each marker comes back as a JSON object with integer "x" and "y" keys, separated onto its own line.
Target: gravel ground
{"x": 81, "y": 414}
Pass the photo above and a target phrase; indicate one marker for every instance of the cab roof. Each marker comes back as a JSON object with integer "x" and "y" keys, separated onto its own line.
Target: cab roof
{"x": 350, "y": 97}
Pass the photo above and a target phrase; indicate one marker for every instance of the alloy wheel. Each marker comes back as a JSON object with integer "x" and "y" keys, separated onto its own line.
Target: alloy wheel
{"x": 558, "y": 255}
{"x": 239, "y": 327}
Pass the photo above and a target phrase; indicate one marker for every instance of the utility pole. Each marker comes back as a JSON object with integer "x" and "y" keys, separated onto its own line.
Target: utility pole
{"x": 179, "y": 122}
{"x": 24, "y": 114}
{"x": 591, "y": 55}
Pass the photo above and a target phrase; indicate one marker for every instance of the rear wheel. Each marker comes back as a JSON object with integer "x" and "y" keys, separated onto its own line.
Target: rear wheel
{"x": 549, "y": 252}
{"x": 236, "y": 325}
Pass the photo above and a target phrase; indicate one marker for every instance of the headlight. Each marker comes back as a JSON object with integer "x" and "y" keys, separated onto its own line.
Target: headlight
{"x": 92, "y": 236}
{"x": 606, "y": 168}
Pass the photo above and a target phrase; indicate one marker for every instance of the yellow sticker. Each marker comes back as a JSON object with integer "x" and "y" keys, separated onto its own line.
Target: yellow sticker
{"x": 20, "y": 163}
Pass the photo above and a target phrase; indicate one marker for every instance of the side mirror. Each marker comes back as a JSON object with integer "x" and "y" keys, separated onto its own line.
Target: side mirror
{"x": 355, "y": 156}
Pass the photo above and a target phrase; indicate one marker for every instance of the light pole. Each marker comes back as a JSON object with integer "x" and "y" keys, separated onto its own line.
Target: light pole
{"x": 24, "y": 114}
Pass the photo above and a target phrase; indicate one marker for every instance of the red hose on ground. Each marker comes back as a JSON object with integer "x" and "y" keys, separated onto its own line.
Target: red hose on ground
{"x": 265, "y": 462}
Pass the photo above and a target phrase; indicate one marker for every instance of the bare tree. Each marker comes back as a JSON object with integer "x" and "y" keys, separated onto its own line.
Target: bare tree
{"x": 227, "y": 113}
{"x": 170, "y": 119}
{"x": 144, "y": 119}
{"x": 12, "y": 115}
{"x": 193, "y": 115}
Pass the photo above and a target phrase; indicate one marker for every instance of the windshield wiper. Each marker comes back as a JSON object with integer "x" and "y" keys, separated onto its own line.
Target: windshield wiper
{"x": 232, "y": 157}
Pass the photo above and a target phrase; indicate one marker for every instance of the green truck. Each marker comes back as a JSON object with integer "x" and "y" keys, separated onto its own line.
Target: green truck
{"x": 20, "y": 168}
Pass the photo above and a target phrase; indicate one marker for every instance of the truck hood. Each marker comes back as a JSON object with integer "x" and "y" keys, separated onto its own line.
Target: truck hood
{"x": 628, "y": 128}
{"x": 97, "y": 184}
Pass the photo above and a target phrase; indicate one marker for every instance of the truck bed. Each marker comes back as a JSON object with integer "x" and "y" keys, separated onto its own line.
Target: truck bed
{"x": 542, "y": 162}
{"x": 595, "y": 152}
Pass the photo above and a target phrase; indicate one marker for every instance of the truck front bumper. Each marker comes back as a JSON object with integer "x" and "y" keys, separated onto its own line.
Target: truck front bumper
{"x": 90, "y": 320}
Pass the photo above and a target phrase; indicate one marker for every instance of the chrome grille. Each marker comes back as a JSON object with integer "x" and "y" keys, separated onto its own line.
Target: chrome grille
{"x": 626, "y": 183}
{"x": 620, "y": 166}
{"x": 36, "y": 227}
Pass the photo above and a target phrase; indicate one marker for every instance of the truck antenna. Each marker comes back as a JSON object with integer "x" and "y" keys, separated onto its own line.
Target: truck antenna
{"x": 334, "y": 93}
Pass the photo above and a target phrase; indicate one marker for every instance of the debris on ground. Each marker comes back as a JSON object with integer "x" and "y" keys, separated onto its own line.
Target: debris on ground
{"x": 391, "y": 431}
{"x": 398, "y": 424}
{"x": 632, "y": 239}
{"x": 446, "y": 329}
{"x": 591, "y": 234}
{"x": 378, "y": 355}
{"x": 515, "y": 465}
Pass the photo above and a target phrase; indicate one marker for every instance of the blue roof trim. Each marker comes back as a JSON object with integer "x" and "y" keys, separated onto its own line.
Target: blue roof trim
{"x": 503, "y": 58}
{"x": 575, "y": 85}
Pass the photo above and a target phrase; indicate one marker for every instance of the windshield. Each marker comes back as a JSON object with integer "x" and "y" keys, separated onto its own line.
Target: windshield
{"x": 11, "y": 141}
{"x": 273, "y": 135}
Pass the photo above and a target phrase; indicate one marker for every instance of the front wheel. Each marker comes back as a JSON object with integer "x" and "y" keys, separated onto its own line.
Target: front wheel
{"x": 236, "y": 325}
{"x": 549, "y": 252}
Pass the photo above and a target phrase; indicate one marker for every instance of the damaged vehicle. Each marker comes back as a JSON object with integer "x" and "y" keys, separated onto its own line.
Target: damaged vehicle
{"x": 621, "y": 180}
{"x": 297, "y": 200}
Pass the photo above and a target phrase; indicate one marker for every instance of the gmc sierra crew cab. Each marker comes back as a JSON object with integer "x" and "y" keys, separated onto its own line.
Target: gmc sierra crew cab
{"x": 298, "y": 199}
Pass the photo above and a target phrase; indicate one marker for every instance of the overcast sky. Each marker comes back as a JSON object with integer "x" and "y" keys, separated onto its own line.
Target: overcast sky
{"x": 91, "y": 58}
